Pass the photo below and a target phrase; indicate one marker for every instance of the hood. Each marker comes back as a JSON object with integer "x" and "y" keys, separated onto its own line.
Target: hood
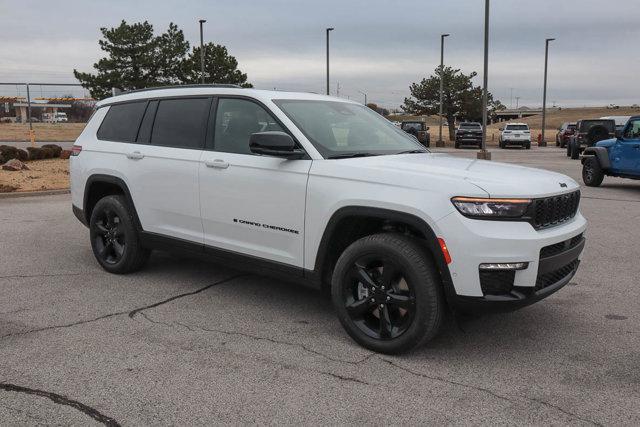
{"x": 606, "y": 143}
{"x": 496, "y": 179}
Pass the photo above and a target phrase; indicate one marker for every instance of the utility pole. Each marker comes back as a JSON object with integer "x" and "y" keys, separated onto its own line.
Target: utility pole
{"x": 328, "y": 29}
{"x": 483, "y": 153}
{"x": 440, "y": 142}
{"x": 338, "y": 89}
{"x": 543, "y": 143}
{"x": 202, "y": 21}
{"x": 511, "y": 99}
{"x": 517, "y": 102}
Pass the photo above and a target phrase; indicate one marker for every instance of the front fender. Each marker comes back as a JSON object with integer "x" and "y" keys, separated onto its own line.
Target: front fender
{"x": 600, "y": 153}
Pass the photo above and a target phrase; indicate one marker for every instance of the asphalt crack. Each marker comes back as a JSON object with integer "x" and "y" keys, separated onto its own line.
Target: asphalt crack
{"x": 26, "y": 276}
{"x": 62, "y": 400}
{"x": 186, "y": 294}
{"x": 490, "y": 392}
{"x": 131, "y": 313}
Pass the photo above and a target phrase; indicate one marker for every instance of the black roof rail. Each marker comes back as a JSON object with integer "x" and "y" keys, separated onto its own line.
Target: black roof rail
{"x": 230, "y": 86}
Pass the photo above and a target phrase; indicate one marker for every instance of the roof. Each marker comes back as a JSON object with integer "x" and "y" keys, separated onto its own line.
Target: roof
{"x": 193, "y": 90}
{"x": 518, "y": 124}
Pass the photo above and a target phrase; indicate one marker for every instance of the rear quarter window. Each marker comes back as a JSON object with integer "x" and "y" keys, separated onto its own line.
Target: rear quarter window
{"x": 121, "y": 122}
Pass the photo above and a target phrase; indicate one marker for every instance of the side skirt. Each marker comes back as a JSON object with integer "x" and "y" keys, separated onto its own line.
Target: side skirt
{"x": 252, "y": 264}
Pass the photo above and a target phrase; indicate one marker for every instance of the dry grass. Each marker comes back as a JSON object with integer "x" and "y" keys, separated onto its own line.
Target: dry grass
{"x": 43, "y": 175}
{"x": 54, "y": 132}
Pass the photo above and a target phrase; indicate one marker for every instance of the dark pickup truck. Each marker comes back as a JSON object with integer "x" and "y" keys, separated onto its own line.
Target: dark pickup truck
{"x": 588, "y": 132}
{"x": 417, "y": 129}
{"x": 469, "y": 133}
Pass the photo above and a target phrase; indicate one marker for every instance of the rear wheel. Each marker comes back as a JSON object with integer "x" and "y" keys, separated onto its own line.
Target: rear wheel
{"x": 387, "y": 293}
{"x": 592, "y": 174}
{"x": 569, "y": 144}
{"x": 528, "y": 146}
{"x": 114, "y": 237}
{"x": 457, "y": 145}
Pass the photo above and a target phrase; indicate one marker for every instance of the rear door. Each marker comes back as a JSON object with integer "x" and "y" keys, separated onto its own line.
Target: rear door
{"x": 251, "y": 204}
{"x": 163, "y": 166}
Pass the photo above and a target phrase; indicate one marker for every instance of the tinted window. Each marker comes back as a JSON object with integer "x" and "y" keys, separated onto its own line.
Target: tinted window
{"x": 236, "y": 120}
{"x": 121, "y": 122}
{"x": 516, "y": 127}
{"x": 633, "y": 130}
{"x": 180, "y": 122}
{"x": 470, "y": 126}
{"x": 144, "y": 134}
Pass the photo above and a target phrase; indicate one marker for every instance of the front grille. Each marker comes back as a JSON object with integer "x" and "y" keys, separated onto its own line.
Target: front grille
{"x": 552, "y": 277}
{"x": 555, "y": 210}
{"x": 557, "y": 248}
{"x": 497, "y": 282}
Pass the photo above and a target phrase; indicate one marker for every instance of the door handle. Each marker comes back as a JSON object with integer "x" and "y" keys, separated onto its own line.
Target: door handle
{"x": 136, "y": 155}
{"x": 217, "y": 163}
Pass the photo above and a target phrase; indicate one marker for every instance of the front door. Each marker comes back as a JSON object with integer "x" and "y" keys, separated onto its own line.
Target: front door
{"x": 251, "y": 204}
{"x": 625, "y": 155}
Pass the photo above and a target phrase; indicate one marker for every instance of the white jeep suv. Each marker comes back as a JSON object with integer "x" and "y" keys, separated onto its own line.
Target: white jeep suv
{"x": 515, "y": 134}
{"x": 327, "y": 192}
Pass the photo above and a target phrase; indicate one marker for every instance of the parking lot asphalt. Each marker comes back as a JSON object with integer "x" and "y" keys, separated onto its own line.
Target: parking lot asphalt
{"x": 187, "y": 342}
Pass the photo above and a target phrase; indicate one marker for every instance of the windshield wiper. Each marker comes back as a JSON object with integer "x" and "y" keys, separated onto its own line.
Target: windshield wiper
{"x": 351, "y": 155}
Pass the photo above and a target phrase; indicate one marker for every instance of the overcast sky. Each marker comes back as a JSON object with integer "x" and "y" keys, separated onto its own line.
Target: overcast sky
{"x": 378, "y": 47}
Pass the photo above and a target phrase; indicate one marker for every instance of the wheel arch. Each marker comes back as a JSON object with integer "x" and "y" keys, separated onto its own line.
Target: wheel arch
{"x": 101, "y": 185}
{"x": 599, "y": 153}
{"x": 351, "y": 223}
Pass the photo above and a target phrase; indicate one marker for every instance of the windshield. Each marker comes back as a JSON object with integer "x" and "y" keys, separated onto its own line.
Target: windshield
{"x": 516, "y": 127}
{"x": 413, "y": 126}
{"x": 470, "y": 126}
{"x": 341, "y": 129}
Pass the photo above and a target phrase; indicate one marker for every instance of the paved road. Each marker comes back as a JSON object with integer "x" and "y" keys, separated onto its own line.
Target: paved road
{"x": 184, "y": 342}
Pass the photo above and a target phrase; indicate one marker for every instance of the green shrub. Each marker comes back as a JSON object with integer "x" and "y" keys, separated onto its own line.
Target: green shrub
{"x": 55, "y": 148}
{"x": 35, "y": 153}
{"x": 23, "y": 156}
{"x": 7, "y": 152}
{"x": 47, "y": 153}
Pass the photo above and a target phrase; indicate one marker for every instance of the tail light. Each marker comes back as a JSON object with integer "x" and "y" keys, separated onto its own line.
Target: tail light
{"x": 76, "y": 149}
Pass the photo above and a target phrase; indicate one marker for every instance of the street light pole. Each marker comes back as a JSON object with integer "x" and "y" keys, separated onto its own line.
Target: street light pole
{"x": 202, "y": 21}
{"x": 365, "y": 96}
{"x": 483, "y": 153}
{"x": 440, "y": 142}
{"x": 328, "y": 29}
{"x": 543, "y": 142}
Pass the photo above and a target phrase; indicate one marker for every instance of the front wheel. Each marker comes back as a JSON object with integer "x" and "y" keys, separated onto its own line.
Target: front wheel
{"x": 114, "y": 237}
{"x": 592, "y": 174}
{"x": 387, "y": 293}
{"x": 575, "y": 151}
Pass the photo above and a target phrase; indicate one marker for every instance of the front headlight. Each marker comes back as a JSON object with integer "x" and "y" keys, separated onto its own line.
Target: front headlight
{"x": 477, "y": 207}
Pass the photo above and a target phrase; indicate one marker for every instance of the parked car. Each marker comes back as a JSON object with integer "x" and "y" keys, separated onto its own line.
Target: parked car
{"x": 469, "y": 133}
{"x": 564, "y": 134}
{"x": 323, "y": 191}
{"x": 515, "y": 134}
{"x": 618, "y": 156}
{"x": 588, "y": 133}
{"x": 419, "y": 130}
{"x": 621, "y": 122}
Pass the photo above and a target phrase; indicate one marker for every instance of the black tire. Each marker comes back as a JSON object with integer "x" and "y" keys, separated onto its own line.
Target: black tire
{"x": 501, "y": 144}
{"x": 592, "y": 174}
{"x": 527, "y": 146}
{"x": 457, "y": 145}
{"x": 114, "y": 236}
{"x": 575, "y": 151}
{"x": 569, "y": 144}
{"x": 380, "y": 276}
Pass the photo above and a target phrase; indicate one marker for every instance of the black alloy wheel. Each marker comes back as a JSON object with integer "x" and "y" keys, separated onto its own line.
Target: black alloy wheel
{"x": 378, "y": 297}
{"x": 108, "y": 236}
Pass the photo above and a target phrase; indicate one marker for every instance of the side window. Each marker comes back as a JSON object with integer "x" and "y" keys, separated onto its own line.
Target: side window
{"x": 180, "y": 122}
{"x": 121, "y": 122}
{"x": 236, "y": 120}
{"x": 632, "y": 131}
{"x": 144, "y": 134}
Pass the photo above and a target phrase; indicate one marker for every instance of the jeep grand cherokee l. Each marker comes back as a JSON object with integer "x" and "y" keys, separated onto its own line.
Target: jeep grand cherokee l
{"x": 325, "y": 191}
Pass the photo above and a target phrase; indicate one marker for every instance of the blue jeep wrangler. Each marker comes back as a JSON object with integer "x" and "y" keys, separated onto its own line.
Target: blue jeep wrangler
{"x": 614, "y": 157}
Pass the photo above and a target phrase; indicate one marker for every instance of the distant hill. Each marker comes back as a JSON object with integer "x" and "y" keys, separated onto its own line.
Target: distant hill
{"x": 555, "y": 118}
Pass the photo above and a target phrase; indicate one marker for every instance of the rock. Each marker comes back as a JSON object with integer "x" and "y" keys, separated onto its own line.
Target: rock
{"x": 14, "y": 165}
{"x": 65, "y": 154}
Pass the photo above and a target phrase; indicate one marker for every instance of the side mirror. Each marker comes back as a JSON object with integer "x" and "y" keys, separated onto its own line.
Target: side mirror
{"x": 501, "y": 129}
{"x": 426, "y": 128}
{"x": 275, "y": 143}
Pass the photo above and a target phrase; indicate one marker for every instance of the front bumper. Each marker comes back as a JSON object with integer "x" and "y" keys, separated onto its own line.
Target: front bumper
{"x": 473, "y": 242}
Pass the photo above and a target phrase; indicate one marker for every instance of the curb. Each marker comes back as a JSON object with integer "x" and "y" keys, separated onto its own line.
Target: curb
{"x": 33, "y": 193}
